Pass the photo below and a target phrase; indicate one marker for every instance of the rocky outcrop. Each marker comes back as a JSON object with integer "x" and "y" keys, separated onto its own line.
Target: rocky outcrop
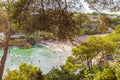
{"x": 22, "y": 43}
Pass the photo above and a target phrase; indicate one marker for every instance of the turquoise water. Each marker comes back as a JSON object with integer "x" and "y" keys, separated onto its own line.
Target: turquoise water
{"x": 40, "y": 56}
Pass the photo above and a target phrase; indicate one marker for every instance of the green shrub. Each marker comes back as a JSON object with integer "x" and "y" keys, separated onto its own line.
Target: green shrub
{"x": 25, "y": 72}
{"x": 56, "y": 74}
{"x": 106, "y": 74}
{"x": 117, "y": 29}
{"x": 113, "y": 37}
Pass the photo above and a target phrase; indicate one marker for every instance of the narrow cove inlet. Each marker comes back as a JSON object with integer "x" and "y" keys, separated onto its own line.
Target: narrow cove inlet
{"x": 38, "y": 55}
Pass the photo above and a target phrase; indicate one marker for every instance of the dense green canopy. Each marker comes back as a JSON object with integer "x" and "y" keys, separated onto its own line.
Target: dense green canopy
{"x": 50, "y": 16}
{"x": 83, "y": 54}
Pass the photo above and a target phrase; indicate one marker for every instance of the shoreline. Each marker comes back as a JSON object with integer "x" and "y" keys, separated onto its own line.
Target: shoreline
{"x": 57, "y": 45}
{"x": 65, "y": 45}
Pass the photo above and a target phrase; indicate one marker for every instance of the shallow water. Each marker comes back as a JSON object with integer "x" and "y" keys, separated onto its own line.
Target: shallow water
{"x": 40, "y": 56}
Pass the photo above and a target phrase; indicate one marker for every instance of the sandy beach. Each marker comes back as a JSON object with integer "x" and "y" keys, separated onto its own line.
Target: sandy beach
{"x": 67, "y": 45}
{"x": 57, "y": 45}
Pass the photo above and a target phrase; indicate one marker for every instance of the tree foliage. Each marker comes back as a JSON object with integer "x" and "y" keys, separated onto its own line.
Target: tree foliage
{"x": 117, "y": 29}
{"x": 82, "y": 55}
{"x": 111, "y": 5}
{"x": 50, "y": 16}
{"x": 60, "y": 74}
{"x": 116, "y": 21}
{"x": 113, "y": 37}
{"x": 25, "y": 72}
{"x": 105, "y": 23}
{"x": 106, "y": 74}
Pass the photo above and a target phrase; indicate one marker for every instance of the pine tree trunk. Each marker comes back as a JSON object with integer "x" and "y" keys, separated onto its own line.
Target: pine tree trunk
{"x": 6, "y": 45}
